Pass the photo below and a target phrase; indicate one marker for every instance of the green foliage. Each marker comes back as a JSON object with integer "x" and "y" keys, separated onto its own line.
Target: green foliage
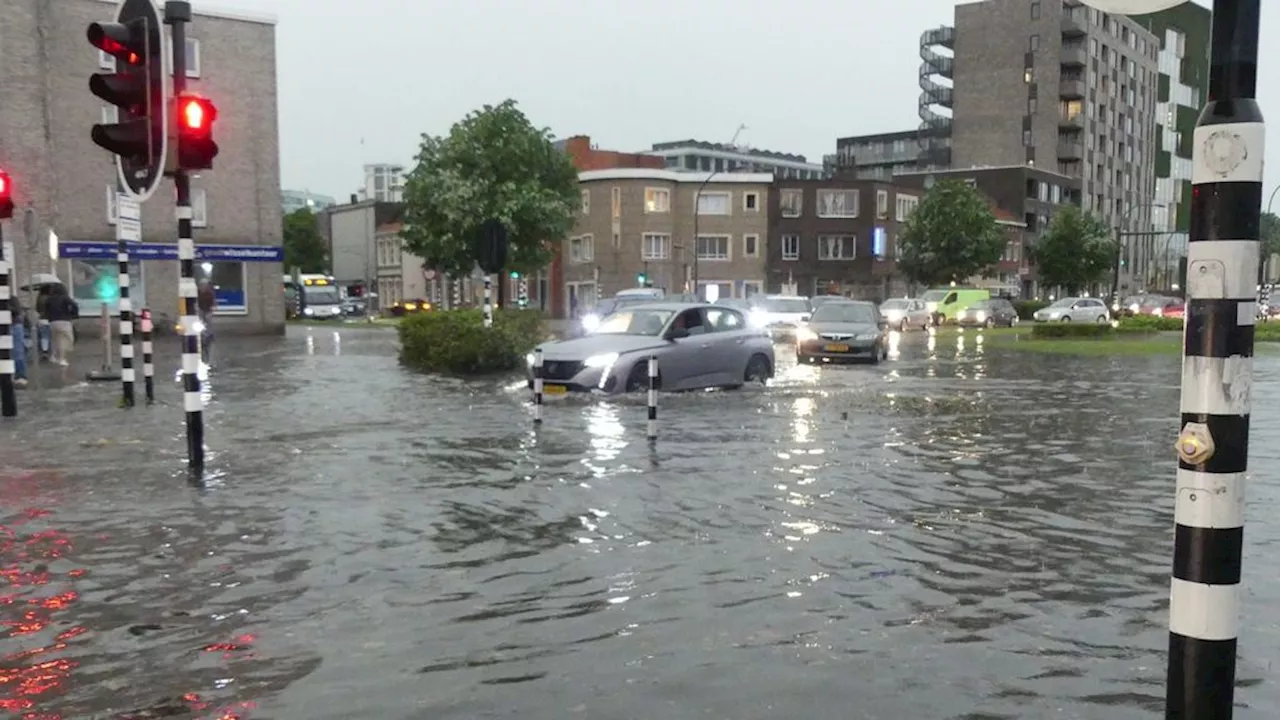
{"x": 1150, "y": 323}
{"x": 1270, "y": 234}
{"x": 493, "y": 164}
{"x": 1027, "y": 309}
{"x": 455, "y": 342}
{"x": 950, "y": 237}
{"x": 1076, "y": 251}
{"x": 303, "y": 246}
{"x": 1267, "y": 332}
{"x": 1075, "y": 331}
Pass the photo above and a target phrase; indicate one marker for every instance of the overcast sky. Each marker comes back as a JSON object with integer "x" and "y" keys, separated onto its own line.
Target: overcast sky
{"x": 359, "y": 82}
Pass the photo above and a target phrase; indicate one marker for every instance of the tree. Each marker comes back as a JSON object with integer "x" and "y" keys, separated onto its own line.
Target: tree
{"x": 1076, "y": 251}
{"x": 303, "y": 246}
{"x": 950, "y": 237}
{"x": 493, "y": 164}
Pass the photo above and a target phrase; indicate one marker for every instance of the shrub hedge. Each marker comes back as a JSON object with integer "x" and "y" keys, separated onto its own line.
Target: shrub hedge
{"x": 1076, "y": 331}
{"x": 455, "y": 342}
{"x": 1150, "y": 323}
{"x": 1027, "y": 308}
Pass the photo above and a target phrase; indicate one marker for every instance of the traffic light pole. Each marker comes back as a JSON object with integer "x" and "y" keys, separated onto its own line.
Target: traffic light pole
{"x": 1217, "y": 373}
{"x": 8, "y": 397}
{"x": 177, "y": 15}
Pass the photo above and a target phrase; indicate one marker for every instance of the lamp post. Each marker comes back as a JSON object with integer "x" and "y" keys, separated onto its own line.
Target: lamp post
{"x": 697, "y": 199}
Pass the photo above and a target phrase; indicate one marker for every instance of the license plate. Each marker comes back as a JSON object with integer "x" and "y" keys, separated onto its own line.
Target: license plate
{"x": 836, "y": 348}
{"x": 554, "y": 390}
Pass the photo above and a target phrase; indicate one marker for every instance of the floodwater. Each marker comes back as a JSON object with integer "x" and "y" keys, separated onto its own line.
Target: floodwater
{"x": 957, "y": 533}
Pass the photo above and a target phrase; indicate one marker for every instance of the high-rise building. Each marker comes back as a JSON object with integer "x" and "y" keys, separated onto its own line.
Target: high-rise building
{"x": 1061, "y": 86}
{"x": 700, "y": 156}
{"x": 383, "y": 182}
{"x": 1183, "y": 32}
{"x": 294, "y": 200}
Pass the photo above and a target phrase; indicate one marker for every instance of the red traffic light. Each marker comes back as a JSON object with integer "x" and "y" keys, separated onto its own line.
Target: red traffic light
{"x": 196, "y": 114}
{"x": 193, "y": 121}
{"x": 6, "y": 195}
{"x": 5, "y": 184}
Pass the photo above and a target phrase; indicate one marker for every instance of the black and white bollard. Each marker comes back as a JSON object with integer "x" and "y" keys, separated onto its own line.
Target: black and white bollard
{"x": 148, "y": 366}
{"x": 1217, "y": 373}
{"x": 126, "y": 327}
{"x": 8, "y": 395}
{"x": 537, "y": 386}
{"x": 652, "y": 429}
{"x": 488, "y": 302}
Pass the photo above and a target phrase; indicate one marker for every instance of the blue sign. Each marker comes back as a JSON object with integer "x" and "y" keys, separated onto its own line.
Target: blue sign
{"x": 165, "y": 251}
{"x": 230, "y": 297}
{"x": 878, "y": 242}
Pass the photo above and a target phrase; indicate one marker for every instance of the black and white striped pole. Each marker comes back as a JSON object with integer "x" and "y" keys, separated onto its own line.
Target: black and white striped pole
{"x": 652, "y": 425}
{"x": 537, "y": 386}
{"x": 148, "y": 366}
{"x": 8, "y": 394}
{"x": 488, "y": 300}
{"x": 126, "y": 326}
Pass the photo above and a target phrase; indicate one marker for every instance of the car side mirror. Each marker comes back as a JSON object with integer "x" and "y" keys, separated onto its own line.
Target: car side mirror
{"x": 677, "y": 333}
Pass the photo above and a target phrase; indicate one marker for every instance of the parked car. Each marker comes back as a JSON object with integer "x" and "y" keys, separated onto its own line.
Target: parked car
{"x": 1174, "y": 310}
{"x": 945, "y": 303}
{"x": 409, "y": 307}
{"x": 906, "y": 313}
{"x": 781, "y": 314}
{"x": 845, "y": 330}
{"x": 991, "y": 312}
{"x": 697, "y": 345}
{"x": 1075, "y": 309}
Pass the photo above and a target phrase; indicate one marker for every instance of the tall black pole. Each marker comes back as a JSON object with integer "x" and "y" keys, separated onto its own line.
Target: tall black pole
{"x": 8, "y": 397}
{"x": 1217, "y": 370}
{"x": 177, "y": 15}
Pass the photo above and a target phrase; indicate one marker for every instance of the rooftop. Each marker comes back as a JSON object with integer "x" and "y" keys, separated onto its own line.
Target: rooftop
{"x": 673, "y": 176}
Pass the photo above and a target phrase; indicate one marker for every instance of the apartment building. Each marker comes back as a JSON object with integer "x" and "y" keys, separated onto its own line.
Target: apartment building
{"x": 66, "y": 185}
{"x": 351, "y": 232}
{"x": 677, "y": 230}
{"x": 836, "y": 236}
{"x": 383, "y": 182}
{"x": 699, "y": 156}
{"x": 1060, "y": 86}
{"x": 876, "y": 157}
{"x": 401, "y": 275}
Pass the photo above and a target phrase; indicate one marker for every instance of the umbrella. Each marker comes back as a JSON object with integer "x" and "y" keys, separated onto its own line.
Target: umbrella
{"x": 39, "y": 280}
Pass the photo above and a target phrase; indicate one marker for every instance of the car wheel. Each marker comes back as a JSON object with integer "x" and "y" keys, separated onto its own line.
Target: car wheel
{"x": 1102, "y": 319}
{"x": 638, "y": 380}
{"x": 1066, "y": 318}
{"x": 758, "y": 370}
{"x": 1013, "y": 321}
{"x": 939, "y": 320}
{"x": 876, "y": 355}
{"x": 991, "y": 322}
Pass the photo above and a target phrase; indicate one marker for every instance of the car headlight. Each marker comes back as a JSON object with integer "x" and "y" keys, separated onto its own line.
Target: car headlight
{"x": 529, "y": 359}
{"x": 590, "y": 322}
{"x": 805, "y": 334}
{"x": 601, "y": 360}
{"x": 309, "y": 311}
{"x": 1133, "y": 308}
{"x": 893, "y": 315}
{"x": 980, "y": 316}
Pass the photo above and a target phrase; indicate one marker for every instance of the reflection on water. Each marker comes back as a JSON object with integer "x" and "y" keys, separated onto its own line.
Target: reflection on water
{"x": 957, "y": 533}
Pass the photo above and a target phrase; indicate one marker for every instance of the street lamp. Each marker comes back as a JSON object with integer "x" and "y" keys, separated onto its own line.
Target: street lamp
{"x": 697, "y": 199}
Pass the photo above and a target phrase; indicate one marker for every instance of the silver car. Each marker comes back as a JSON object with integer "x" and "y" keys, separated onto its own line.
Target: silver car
{"x": 697, "y": 345}
{"x": 906, "y": 313}
{"x": 1075, "y": 309}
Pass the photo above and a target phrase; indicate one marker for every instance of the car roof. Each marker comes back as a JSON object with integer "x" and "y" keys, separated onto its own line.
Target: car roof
{"x": 673, "y": 306}
{"x": 849, "y": 301}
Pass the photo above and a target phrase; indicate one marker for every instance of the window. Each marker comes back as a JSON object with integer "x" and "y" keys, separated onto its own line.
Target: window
{"x": 98, "y": 280}
{"x": 655, "y": 246}
{"x": 713, "y": 247}
{"x": 200, "y": 207}
{"x": 193, "y": 58}
{"x": 617, "y": 239}
{"x": 1034, "y": 43}
{"x": 751, "y": 288}
{"x": 615, "y": 202}
{"x": 790, "y": 247}
{"x": 836, "y": 247}
{"x": 751, "y": 201}
{"x": 906, "y": 205}
{"x": 581, "y": 249}
{"x": 791, "y": 202}
{"x": 838, "y": 203}
{"x": 657, "y": 200}
{"x": 586, "y": 202}
{"x": 1035, "y": 11}
{"x": 112, "y": 213}
{"x": 228, "y": 286}
{"x": 713, "y": 204}
{"x": 751, "y": 246}
{"x": 882, "y": 204}
{"x": 725, "y": 320}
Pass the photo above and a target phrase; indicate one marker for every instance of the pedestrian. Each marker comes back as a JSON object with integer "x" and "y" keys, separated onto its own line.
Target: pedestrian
{"x": 18, "y": 331}
{"x": 206, "y": 304}
{"x": 62, "y": 310}
{"x": 44, "y": 335}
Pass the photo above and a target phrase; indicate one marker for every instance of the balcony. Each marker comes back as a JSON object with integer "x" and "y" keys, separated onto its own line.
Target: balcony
{"x": 1071, "y": 88}
{"x": 1074, "y": 56}
{"x": 1068, "y": 151}
{"x": 1073, "y": 24}
{"x": 1071, "y": 122}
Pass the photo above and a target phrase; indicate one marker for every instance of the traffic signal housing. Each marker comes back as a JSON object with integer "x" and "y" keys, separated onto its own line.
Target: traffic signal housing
{"x": 137, "y": 90}
{"x": 193, "y": 121}
{"x": 6, "y": 196}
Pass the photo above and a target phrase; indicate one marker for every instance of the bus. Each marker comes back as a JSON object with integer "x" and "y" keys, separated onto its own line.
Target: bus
{"x": 312, "y": 295}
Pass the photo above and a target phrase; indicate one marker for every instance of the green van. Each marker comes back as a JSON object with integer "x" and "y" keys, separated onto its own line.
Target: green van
{"x": 944, "y": 303}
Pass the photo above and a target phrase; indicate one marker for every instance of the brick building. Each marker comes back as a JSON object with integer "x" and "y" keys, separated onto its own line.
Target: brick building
{"x": 65, "y": 184}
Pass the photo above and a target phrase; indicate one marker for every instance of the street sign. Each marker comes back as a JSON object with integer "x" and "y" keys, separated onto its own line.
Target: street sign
{"x": 128, "y": 218}
{"x": 1133, "y": 7}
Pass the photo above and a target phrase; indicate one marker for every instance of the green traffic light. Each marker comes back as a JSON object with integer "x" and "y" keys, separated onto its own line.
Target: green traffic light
{"x": 107, "y": 289}
{"x": 515, "y": 275}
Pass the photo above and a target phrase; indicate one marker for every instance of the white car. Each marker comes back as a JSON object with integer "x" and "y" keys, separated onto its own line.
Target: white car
{"x": 1075, "y": 309}
{"x": 781, "y": 315}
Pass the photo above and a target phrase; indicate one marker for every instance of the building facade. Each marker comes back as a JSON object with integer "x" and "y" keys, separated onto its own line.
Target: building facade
{"x": 294, "y": 200}
{"x": 674, "y": 230}
{"x": 1063, "y": 87}
{"x": 66, "y": 185}
{"x": 699, "y": 156}
{"x": 401, "y": 274}
{"x": 877, "y": 157}
{"x": 383, "y": 182}
{"x": 836, "y": 237}
{"x": 351, "y": 233}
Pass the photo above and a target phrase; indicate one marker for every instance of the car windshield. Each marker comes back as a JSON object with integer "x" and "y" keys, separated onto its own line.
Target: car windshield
{"x": 322, "y": 295}
{"x": 1064, "y": 302}
{"x": 784, "y": 305}
{"x": 635, "y": 322}
{"x": 981, "y": 304}
{"x": 934, "y": 295}
{"x": 894, "y": 305}
{"x": 844, "y": 313}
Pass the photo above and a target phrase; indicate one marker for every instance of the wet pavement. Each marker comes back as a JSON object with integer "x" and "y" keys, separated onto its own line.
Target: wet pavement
{"x": 957, "y": 533}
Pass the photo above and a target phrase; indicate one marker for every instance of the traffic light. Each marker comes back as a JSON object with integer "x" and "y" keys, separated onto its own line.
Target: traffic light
{"x": 6, "y": 195}
{"x": 640, "y": 279}
{"x": 137, "y": 90}
{"x": 194, "y": 122}
{"x": 515, "y": 274}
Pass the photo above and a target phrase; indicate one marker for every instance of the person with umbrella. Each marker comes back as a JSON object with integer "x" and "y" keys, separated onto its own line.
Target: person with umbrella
{"x": 40, "y": 284}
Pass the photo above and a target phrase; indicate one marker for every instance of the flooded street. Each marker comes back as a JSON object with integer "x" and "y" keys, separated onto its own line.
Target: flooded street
{"x": 956, "y": 533}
